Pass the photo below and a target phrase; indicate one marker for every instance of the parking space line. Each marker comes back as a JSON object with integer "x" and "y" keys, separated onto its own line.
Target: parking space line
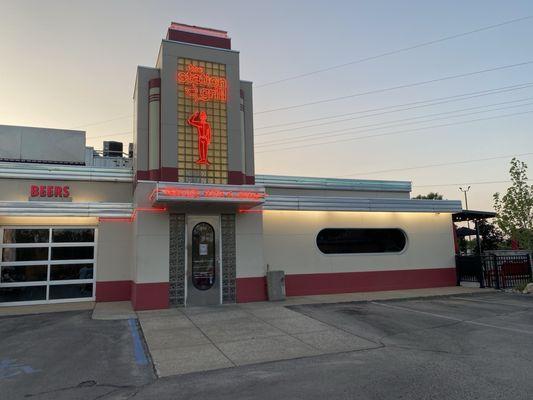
{"x": 454, "y": 319}
{"x": 418, "y": 312}
{"x": 138, "y": 349}
{"x": 491, "y": 302}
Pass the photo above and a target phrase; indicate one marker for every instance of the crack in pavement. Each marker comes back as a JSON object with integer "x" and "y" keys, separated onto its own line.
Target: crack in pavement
{"x": 81, "y": 385}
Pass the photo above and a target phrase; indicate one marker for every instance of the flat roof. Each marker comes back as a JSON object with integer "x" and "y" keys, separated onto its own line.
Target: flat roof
{"x": 303, "y": 182}
{"x": 472, "y": 215}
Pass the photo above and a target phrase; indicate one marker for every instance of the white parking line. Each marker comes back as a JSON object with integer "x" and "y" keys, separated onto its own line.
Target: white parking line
{"x": 454, "y": 319}
{"x": 491, "y": 302}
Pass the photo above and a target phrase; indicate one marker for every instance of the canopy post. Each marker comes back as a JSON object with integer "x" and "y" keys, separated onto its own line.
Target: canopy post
{"x": 478, "y": 241}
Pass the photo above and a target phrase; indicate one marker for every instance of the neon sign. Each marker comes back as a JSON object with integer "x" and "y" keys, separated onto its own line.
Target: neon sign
{"x": 203, "y": 131}
{"x": 211, "y": 193}
{"x": 202, "y": 87}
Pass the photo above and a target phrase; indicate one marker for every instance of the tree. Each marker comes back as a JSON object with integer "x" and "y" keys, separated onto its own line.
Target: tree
{"x": 515, "y": 208}
{"x": 429, "y": 196}
{"x": 491, "y": 237}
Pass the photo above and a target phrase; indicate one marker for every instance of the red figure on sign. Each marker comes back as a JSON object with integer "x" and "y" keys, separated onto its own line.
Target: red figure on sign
{"x": 199, "y": 121}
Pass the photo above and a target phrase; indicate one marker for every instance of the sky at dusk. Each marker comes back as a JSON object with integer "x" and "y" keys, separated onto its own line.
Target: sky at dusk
{"x": 72, "y": 64}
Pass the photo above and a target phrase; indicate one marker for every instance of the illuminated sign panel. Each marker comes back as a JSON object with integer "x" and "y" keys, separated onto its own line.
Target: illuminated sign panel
{"x": 202, "y": 122}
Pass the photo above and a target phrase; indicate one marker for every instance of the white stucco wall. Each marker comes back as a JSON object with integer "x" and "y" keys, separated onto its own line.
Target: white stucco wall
{"x": 290, "y": 241}
{"x": 249, "y": 245}
{"x": 114, "y": 258}
{"x": 151, "y": 247}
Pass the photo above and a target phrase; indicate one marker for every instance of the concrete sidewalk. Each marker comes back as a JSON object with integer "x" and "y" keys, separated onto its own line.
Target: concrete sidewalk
{"x": 204, "y": 338}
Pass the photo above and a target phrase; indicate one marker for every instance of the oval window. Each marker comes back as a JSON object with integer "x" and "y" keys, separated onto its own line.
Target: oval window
{"x": 360, "y": 241}
{"x": 203, "y": 256}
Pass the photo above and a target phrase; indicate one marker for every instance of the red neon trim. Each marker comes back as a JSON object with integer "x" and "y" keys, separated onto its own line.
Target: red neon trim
{"x": 250, "y": 211}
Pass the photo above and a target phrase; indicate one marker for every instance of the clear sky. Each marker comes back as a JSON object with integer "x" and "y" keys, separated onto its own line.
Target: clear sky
{"x": 71, "y": 64}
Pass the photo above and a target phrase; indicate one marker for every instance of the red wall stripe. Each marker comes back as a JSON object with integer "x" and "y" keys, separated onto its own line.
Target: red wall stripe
{"x": 251, "y": 289}
{"x": 149, "y": 296}
{"x": 113, "y": 291}
{"x": 254, "y": 289}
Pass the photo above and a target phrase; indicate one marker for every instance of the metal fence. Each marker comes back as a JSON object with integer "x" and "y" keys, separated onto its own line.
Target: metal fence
{"x": 496, "y": 271}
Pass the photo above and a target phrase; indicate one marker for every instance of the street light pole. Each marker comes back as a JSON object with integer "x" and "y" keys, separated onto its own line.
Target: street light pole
{"x": 465, "y": 191}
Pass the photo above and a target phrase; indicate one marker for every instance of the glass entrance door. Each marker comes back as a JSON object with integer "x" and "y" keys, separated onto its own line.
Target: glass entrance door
{"x": 203, "y": 266}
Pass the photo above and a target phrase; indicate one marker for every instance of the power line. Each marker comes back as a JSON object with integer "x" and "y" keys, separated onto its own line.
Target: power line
{"x": 110, "y": 134}
{"x": 396, "y": 123}
{"x": 437, "y": 165}
{"x": 396, "y": 132}
{"x": 101, "y": 122}
{"x": 392, "y": 52}
{"x": 465, "y": 183}
{"x": 419, "y": 104}
{"x": 437, "y": 101}
{"x": 405, "y": 86}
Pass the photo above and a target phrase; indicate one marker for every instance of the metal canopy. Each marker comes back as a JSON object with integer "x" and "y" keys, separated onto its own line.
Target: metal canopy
{"x": 464, "y": 231}
{"x": 472, "y": 215}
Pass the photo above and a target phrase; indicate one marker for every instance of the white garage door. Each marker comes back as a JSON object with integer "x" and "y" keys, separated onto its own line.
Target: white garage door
{"x": 47, "y": 264}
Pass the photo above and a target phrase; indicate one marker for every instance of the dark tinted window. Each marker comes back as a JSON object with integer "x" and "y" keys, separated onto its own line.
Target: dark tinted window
{"x": 71, "y": 271}
{"x": 71, "y": 291}
{"x": 25, "y": 254}
{"x": 27, "y": 293}
{"x": 352, "y": 241}
{"x": 22, "y": 273}
{"x": 73, "y": 253}
{"x": 26, "y": 235}
{"x": 72, "y": 235}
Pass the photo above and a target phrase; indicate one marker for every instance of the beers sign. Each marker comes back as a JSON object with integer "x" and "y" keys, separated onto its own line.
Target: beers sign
{"x": 50, "y": 192}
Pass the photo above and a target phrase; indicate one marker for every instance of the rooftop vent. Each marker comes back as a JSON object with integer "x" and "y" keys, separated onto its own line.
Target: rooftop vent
{"x": 112, "y": 149}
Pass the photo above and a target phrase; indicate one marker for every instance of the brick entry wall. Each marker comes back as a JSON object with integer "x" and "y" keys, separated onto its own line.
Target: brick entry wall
{"x": 176, "y": 289}
{"x": 229, "y": 263}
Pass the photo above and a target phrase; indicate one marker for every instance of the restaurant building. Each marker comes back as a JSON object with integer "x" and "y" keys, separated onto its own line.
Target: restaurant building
{"x": 184, "y": 220}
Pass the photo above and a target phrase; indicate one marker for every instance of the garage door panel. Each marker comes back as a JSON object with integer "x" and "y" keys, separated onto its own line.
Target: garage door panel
{"x": 47, "y": 264}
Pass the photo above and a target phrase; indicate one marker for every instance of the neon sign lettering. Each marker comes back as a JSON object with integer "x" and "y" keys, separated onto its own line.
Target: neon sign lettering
{"x": 203, "y": 130}
{"x": 212, "y": 194}
{"x": 202, "y": 87}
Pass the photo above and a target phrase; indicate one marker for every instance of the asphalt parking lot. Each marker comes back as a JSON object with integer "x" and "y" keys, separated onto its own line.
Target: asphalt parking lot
{"x": 477, "y": 346}
{"x": 68, "y": 355}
